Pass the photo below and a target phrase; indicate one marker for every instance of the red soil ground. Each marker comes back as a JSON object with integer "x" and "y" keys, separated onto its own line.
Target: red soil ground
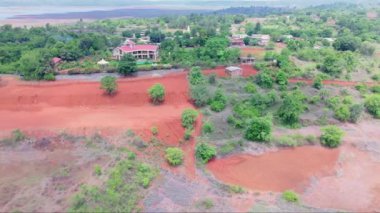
{"x": 255, "y": 51}
{"x": 82, "y": 108}
{"x": 79, "y": 106}
{"x": 277, "y": 171}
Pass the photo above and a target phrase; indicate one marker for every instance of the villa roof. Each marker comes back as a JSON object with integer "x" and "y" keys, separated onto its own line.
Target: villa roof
{"x": 233, "y": 69}
{"x": 56, "y": 60}
{"x": 144, "y": 47}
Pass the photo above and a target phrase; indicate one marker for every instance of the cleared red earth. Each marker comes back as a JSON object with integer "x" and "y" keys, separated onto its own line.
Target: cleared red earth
{"x": 277, "y": 171}
{"x": 81, "y": 106}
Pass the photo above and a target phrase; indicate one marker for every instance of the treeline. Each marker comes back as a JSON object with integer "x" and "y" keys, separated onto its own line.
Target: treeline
{"x": 29, "y": 51}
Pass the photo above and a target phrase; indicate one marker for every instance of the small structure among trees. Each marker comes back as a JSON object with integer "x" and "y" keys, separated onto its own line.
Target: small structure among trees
{"x": 234, "y": 71}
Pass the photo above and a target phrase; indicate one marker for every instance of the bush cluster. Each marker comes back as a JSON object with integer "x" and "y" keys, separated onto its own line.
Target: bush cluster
{"x": 189, "y": 116}
{"x": 174, "y": 156}
{"x": 205, "y": 152}
{"x": 219, "y": 101}
{"x": 157, "y": 93}
{"x": 331, "y": 136}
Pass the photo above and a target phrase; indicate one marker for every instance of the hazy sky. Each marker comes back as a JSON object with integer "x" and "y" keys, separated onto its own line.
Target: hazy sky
{"x": 225, "y": 3}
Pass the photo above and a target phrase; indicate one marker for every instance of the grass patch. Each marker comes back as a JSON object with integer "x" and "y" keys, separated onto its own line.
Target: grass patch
{"x": 120, "y": 193}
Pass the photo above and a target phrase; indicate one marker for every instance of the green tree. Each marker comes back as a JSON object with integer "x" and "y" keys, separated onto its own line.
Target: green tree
{"x": 347, "y": 43}
{"x": 246, "y": 40}
{"x": 342, "y": 112}
{"x": 174, "y": 156}
{"x": 259, "y": 129}
{"x": 219, "y": 101}
{"x": 157, "y": 93}
{"x": 292, "y": 107}
{"x": 205, "y": 152}
{"x": 127, "y": 65}
{"x": 356, "y": 111}
{"x": 207, "y": 127}
{"x": 264, "y": 80}
{"x": 199, "y": 94}
{"x": 372, "y": 103}
{"x": 108, "y": 84}
{"x": 195, "y": 76}
{"x": 367, "y": 49}
{"x": 189, "y": 116}
{"x": 331, "y": 136}
{"x": 317, "y": 83}
{"x": 257, "y": 28}
{"x": 282, "y": 78}
{"x": 332, "y": 64}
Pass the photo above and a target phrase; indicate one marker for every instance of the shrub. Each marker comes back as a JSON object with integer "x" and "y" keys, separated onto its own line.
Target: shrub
{"x": 174, "y": 156}
{"x": 292, "y": 107}
{"x": 188, "y": 134}
{"x": 219, "y": 101}
{"x": 264, "y": 80}
{"x": 342, "y": 112}
{"x": 206, "y": 203}
{"x": 17, "y": 135}
{"x": 290, "y": 196}
{"x": 372, "y": 103}
{"x": 208, "y": 127}
{"x": 331, "y": 136}
{"x": 317, "y": 83}
{"x": 367, "y": 49}
{"x": 49, "y": 77}
{"x": 229, "y": 147}
{"x": 157, "y": 93}
{"x": 259, "y": 129}
{"x": 236, "y": 189}
{"x": 212, "y": 78}
{"x": 250, "y": 88}
{"x": 282, "y": 78}
{"x": 375, "y": 89}
{"x": 189, "y": 116}
{"x": 97, "y": 170}
{"x": 205, "y": 152}
{"x": 356, "y": 111}
{"x": 195, "y": 76}
{"x": 108, "y": 84}
{"x": 362, "y": 88}
{"x": 200, "y": 94}
{"x": 154, "y": 130}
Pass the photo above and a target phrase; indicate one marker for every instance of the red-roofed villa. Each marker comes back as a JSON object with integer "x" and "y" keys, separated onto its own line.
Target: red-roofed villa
{"x": 145, "y": 51}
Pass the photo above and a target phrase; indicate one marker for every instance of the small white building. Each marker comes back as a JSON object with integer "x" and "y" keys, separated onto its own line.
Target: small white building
{"x": 234, "y": 71}
{"x": 263, "y": 40}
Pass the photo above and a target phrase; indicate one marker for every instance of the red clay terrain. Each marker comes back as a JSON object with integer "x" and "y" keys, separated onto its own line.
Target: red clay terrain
{"x": 277, "y": 171}
{"x": 81, "y": 107}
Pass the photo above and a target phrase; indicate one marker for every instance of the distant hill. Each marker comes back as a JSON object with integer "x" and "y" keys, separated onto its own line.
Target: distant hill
{"x": 105, "y": 14}
{"x": 254, "y": 11}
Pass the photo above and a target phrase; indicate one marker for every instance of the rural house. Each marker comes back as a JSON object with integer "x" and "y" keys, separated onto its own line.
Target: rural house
{"x": 140, "y": 52}
{"x": 263, "y": 40}
{"x": 233, "y": 71}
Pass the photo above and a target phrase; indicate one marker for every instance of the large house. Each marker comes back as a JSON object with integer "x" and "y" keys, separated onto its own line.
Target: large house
{"x": 140, "y": 52}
